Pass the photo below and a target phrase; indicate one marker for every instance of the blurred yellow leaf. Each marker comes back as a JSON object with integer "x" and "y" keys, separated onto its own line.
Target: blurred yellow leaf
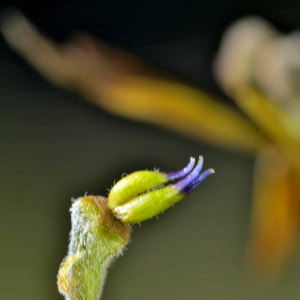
{"x": 275, "y": 228}
{"x": 127, "y": 85}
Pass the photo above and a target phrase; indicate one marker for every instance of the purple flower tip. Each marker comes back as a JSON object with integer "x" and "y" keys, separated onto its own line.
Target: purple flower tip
{"x": 190, "y": 182}
{"x": 183, "y": 172}
{"x": 191, "y": 186}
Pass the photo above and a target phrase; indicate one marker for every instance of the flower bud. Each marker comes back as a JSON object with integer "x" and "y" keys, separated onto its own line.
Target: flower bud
{"x": 142, "y": 195}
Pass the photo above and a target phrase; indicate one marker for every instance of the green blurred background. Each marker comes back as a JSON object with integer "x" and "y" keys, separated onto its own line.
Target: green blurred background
{"x": 54, "y": 146}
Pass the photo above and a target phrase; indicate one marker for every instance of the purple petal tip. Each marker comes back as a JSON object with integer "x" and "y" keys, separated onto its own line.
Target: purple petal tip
{"x": 192, "y": 185}
{"x": 190, "y": 182}
{"x": 191, "y": 177}
{"x": 183, "y": 172}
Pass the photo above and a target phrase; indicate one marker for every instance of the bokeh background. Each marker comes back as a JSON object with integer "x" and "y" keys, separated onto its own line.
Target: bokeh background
{"x": 55, "y": 146}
